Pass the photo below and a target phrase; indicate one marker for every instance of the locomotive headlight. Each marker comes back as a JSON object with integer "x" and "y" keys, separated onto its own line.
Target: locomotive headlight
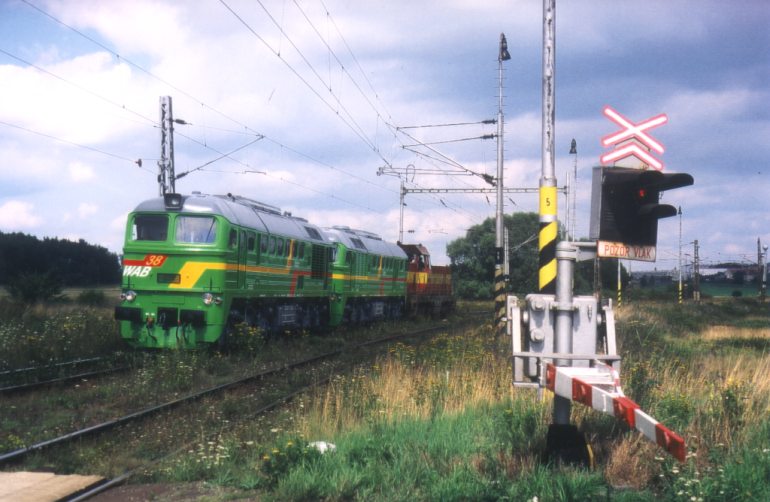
{"x": 128, "y": 296}
{"x": 209, "y": 299}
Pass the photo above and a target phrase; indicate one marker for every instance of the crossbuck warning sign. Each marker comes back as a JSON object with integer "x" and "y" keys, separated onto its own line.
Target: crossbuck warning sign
{"x": 633, "y": 140}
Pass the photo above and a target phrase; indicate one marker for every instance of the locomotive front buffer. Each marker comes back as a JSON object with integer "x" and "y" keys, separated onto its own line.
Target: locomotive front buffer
{"x": 566, "y": 344}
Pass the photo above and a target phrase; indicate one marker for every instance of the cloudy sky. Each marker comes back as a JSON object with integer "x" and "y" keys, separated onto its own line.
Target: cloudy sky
{"x": 299, "y": 104}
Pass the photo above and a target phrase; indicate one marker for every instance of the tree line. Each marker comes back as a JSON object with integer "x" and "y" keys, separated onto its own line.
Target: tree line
{"x": 50, "y": 264}
{"x": 473, "y": 260}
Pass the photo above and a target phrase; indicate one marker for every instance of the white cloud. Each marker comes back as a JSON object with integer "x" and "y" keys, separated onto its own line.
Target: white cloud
{"x": 228, "y": 84}
{"x": 80, "y": 172}
{"x": 17, "y": 215}
{"x": 86, "y": 209}
{"x": 707, "y": 107}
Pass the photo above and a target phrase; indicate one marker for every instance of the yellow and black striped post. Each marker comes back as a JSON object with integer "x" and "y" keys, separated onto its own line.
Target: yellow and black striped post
{"x": 549, "y": 230}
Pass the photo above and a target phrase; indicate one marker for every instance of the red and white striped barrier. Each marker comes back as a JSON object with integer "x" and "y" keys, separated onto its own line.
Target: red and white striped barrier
{"x": 599, "y": 388}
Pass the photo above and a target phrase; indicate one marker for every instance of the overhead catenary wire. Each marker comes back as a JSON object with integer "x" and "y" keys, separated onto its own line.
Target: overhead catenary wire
{"x": 77, "y": 86}
{"x": 458, "y": 140}
{"x": 277, "y": 53}
{"x": 448, "y": 159}
{"x": 185, "y": 173}
{"x": 353, "y": 56}
{"x": 355, "y": 129}
{"x": 109, "y": 101}
{"x": 78, "y": 145}
{"x": 337, "y": 59}
{"x": 135, "y": 65}
{"x": 455, "y": 124}
{"x": 246, "y": 129}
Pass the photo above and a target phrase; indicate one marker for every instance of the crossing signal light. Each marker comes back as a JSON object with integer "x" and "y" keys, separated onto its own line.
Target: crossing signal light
{"x": 625, "y": 204}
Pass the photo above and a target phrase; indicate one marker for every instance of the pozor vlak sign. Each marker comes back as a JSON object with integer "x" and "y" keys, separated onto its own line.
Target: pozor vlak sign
{"x": 625, "y": 206}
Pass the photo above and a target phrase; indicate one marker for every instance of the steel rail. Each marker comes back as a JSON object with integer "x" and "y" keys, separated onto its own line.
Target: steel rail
{"x": 56, "y": 381}
{"x": 74, "y": 362}
{"x": 110, "y": 424}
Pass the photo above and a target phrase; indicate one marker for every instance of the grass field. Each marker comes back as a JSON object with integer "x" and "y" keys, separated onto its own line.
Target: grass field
{"x": 442, "y": 421}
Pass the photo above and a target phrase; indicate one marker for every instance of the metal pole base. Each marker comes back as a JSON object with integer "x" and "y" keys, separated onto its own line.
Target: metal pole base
{"x": 565, "y": 445}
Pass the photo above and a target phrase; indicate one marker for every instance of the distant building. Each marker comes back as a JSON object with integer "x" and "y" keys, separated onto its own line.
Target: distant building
{"x": 735, "y": 274}
{"x": 652, "y": 278}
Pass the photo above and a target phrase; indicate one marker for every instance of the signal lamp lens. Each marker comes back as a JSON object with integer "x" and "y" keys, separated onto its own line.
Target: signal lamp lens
{"x": 218, "y": 300}
{"x": 208, "y": 298}
{"x": 128, "y": 296}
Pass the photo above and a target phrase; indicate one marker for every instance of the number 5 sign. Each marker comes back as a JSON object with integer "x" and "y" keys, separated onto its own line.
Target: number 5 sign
{"x": 637, "y": 134}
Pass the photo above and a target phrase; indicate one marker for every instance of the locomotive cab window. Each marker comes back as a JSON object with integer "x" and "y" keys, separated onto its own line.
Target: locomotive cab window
{"x": 196, "y": 229}
{"x": 150, "y": 227}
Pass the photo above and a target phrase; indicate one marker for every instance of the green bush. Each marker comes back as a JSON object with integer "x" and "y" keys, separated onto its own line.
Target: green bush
{"x": 292, "y": 454}
{"x": 31, "y": 288}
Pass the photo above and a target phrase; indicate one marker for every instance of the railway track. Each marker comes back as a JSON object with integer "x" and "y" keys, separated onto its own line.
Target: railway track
{"x": 9, "y": 375}
{"x": 61, "y": 380}
{"x": 19, "y": 453}
{"x": 36, "y": 377}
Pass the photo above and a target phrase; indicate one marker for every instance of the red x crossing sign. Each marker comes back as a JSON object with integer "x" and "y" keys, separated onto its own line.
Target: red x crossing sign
{"x": 632, "y": 139}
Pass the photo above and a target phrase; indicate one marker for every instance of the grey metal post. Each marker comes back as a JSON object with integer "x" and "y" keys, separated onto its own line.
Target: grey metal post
{"x": 401, "y": 212}
{"x": 500, "y": 277}
{"x": 572, "y": 197}
{"x": 566, "y": 256}
{"x": 503, "y": 56}
{"x": 548, "y": 201}
{"x": 680, "y": 255}
{"x": 764, "y": 273}
{"x": 696, "y": 274}
{"x": 166, "y": 178}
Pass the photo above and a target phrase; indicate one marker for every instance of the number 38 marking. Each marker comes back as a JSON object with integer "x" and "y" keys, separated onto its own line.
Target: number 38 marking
{"x": 154, "y": 260}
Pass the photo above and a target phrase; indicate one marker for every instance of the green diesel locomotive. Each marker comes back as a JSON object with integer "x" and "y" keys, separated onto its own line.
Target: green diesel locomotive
{"x": 195, "y": 266}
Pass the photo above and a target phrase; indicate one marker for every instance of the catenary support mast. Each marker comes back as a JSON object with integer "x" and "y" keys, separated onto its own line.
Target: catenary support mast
{"x": 166, "y": 176}
{"x": 500, "y": 278}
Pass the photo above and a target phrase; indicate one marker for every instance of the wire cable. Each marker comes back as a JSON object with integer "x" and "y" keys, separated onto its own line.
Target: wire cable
{"x": 85, "y": 147}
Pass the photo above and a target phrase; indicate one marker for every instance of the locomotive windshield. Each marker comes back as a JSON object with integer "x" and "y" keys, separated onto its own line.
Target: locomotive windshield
{"x": 150, "y": 227}
{"x": 196, "y": 229}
